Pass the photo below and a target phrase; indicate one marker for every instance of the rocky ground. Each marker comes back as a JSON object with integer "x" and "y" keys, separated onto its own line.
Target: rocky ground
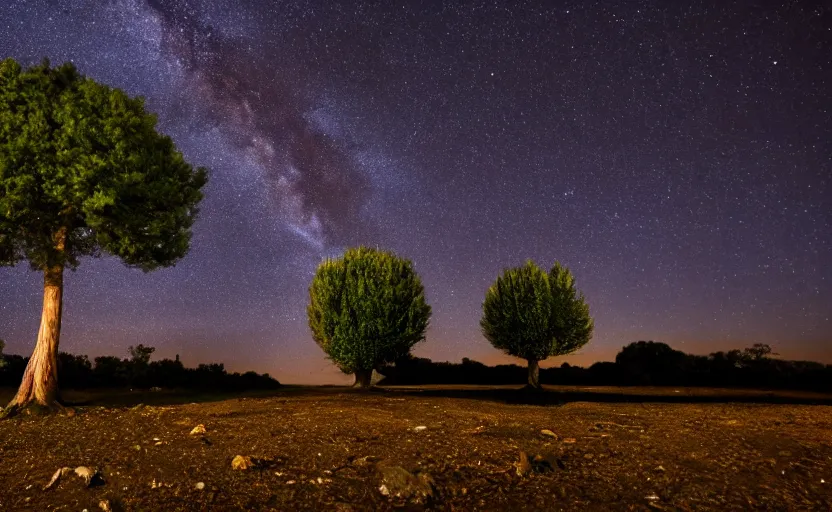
{"x": 442, "y": 449}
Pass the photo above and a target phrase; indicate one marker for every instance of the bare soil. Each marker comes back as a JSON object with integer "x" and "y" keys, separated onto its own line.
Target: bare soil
{"x": 343, "y": 449}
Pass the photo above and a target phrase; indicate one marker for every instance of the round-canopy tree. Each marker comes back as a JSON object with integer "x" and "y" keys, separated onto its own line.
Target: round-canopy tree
{"x": 532, "y": 314}
{"x": 366, "y": 309}
{"x": 83, "y": 172}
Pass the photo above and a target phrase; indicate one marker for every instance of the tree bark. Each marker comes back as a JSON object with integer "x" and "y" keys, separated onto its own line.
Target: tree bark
{"x": 534, "y": 374}
{"x": 39, "y": 387}
{"x": 363, "y": 378}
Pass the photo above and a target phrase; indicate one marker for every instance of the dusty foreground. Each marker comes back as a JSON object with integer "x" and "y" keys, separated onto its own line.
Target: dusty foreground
{"x": 330, "y": 449}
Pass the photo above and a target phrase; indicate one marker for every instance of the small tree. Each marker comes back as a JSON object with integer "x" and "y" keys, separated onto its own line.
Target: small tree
{"x": 367, "y": 309}
{"x": 140, "y": 354}
{"x": 532, "y": 314}
{"x": 139, "y": 364}
{"x": 83, "y": 172}
{"x": 758, "y": 352}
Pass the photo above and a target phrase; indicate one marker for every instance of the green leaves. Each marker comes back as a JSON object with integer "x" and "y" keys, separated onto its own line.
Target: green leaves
{"x": 532, "y": 314}
{"x": 367, "y": 308}
{"x": 84, "y": 157}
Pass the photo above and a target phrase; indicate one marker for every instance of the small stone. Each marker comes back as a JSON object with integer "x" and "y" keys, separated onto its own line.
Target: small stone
{"x": 588, "y": 456}
{"x": 397, "y": 482}
{"x": 200, "y": 486}
{"x": 137, "y": 447}
{"x": 548, "y": 433}
{"x": 105, "y": 505}
{"x": 242, "y": 462}
{"x": 569, "y": 440}
{"x": 523, "y": 466}
{"x": 198, "y": 430}
{"x": 57, "y": 476}
{"x": 89, "y": 475}
{"x": 420, "y": 428}
{"x": 660, "y": 469}
{"x": 290, "y": 482}
{"x": 651, "y": 497}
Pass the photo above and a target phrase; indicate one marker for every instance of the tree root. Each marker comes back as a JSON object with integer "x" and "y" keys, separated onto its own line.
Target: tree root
{"x": 35, "y": 409}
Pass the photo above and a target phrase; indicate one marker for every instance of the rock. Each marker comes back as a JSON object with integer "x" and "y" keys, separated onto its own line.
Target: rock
{"x": 57, "y": 477}
{"x": 90, "y": 476}
{"x": 569, "y": 440}
{"x": 200, "y": 486}
{"x": 548, "y": 433}
{"x": 397, "y": 482}
{"x": 105, "y": 505}
{"x": 523, "y": 466}
{"x": 376, "y": 377}
{"x": 198, "y": 430}
{"x": 363, "y": 461}
{"x": 651, "y": 497}
{"x": 242, "y": 462}
{"x": 420, "y": 428}
{"x": 660, "y": 469}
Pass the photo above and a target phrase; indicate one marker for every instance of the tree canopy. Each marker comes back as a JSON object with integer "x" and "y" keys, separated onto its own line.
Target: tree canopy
{"x": 83, "y": 162}
{"x": 532, "y": 314}
{"x": 366, "y": 309}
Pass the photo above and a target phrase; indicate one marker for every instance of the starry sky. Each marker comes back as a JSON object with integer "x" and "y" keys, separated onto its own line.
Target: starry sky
{"x": 677, "y": 156}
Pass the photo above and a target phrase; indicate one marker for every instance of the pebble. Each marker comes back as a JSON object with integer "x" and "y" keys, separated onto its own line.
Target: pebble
{"x": 420, "y": 428}
{"x": 241, "y": 462}
{"x": 200, "y": 485}
{"x": 198, "y": 430}
{"x": 549, "y": 433}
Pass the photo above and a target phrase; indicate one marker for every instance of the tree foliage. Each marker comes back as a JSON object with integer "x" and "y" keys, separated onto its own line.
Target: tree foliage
{"x": 532, "y": 314}
{"x": 85, "y": 160}
{"x": 367, "y": 308}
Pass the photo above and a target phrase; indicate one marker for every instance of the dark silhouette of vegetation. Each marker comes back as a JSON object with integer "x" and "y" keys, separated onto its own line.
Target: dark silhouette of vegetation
{"x": 642, "y": 363}
{"x": 534, "y": 315}
{"x": 138, "y": 372}
{"x": 83, "y": 172}
{"x": 366, "y": 309}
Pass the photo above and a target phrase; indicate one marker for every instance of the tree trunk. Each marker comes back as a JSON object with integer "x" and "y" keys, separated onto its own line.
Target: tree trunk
{"x": 39, "y": 387}
{"x": 534, "y": 374}
{"x": 363, "y": 378}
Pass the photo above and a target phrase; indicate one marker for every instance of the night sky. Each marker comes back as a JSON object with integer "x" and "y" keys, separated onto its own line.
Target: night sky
{"x": 677, "y": 156}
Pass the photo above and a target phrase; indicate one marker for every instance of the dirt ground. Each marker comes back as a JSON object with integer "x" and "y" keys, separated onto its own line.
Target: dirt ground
{"x": 339, "y": 449}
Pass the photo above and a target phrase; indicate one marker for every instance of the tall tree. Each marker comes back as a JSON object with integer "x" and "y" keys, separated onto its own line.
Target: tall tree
{"x": 366, "y": 309}
{"x": 83, "y": 172}
{"x": 532, "y": 314}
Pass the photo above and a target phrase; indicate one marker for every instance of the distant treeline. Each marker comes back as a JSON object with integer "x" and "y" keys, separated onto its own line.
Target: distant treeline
{"x": 138, "y": 372}
{"x": 642, "y": 363}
